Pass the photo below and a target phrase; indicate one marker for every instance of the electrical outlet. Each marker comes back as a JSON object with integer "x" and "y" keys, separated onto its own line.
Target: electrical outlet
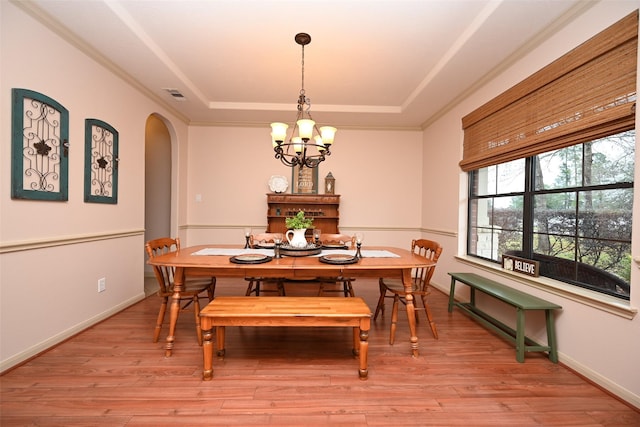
{"x": 102, "y": 284}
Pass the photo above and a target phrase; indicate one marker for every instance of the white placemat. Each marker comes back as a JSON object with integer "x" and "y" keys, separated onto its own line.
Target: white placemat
{"x": 232, "y": 251}
{"x": 366, "y": 253}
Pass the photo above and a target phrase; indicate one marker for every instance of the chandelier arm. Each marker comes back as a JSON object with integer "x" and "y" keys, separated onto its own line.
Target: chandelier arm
{"x": 294, "y": 127}
{"x": 285, "y": 149}
{"x": 283, "y": 158}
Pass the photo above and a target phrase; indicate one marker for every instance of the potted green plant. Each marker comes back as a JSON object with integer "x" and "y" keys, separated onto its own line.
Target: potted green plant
{"x": 298, "y": 221}
{"x": 297, "y": 226}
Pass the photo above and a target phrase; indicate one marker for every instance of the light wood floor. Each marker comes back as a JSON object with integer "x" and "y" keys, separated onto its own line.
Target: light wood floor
{"x": 113, "y": 375}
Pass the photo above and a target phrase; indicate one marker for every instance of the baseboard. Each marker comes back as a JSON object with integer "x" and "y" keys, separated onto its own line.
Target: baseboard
{"x": 602, "y": 382}
{"x": 57, "y": 339}
{"x": 609, "y": 386}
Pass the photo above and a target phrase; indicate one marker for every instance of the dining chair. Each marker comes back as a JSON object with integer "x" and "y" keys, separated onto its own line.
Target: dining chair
{"x": 194, "y": 288}
{"x": 421, "y": 277}
{"x": 255, "y": 283}
{"x": 337, "y": 284}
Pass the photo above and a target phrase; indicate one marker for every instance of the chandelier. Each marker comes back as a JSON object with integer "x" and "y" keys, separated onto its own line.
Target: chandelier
{"x": 304, "y": 149}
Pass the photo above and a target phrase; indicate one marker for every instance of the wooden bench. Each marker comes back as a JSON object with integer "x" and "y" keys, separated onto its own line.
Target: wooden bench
{"x": 520, "y": 300}
{"x": 284, "y": 311}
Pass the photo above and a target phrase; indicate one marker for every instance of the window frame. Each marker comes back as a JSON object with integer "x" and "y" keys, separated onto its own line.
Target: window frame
{"x": 528, "y": 194}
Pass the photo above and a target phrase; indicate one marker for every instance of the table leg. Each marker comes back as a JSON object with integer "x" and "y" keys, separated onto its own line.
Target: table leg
{"x": 411, "y": 314}
{"x": 178, "y": 286}
{"x": 207, "y": 350}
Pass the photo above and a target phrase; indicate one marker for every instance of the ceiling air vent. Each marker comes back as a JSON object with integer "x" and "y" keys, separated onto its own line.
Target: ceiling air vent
{"x": 175, "y": 93}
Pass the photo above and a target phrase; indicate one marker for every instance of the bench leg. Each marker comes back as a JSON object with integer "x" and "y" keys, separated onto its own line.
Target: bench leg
{"x": 220, "y": 339}
{"x": 451, "y": 294}
{"x": 551, "y": 336}
{"x": 207, "y": 353}
{"x": 520, "y": 344}
{"x": 356, "y": 341}
{"x": 365, "y": 324}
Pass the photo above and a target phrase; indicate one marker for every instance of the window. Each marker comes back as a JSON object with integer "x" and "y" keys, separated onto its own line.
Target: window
{"x": 551, "y": 163}
{"x": 569, "y": 209}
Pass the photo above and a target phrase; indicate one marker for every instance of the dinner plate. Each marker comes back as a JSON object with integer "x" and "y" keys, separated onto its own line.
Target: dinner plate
{"x": 338, "y": 259}
{"x": 310, "y": 249}
{"x": 250, "y": 259}
{"x": 265, "y": 245}
{"x": 334, "y": 246}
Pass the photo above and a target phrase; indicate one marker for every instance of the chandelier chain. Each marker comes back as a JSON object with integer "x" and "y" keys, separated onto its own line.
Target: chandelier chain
{"x": 293, "y": 151}
{"x": 302, "y": 85}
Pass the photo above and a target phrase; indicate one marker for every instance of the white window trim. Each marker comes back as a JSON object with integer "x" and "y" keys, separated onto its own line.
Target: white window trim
{"x": 584, "y": 296}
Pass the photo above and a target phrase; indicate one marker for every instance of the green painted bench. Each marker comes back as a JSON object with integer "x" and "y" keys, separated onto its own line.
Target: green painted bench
{"x": 520, "y": 300}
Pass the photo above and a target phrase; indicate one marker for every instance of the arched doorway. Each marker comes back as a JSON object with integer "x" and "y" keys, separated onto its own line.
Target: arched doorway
{"x": 157, "y": 200}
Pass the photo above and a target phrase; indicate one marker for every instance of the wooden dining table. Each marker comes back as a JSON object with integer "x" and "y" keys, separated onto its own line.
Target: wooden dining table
{"x": 194, "y": 262}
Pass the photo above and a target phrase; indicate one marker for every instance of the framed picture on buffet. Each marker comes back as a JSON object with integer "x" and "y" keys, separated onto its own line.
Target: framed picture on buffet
{"x": 304, "y": 180}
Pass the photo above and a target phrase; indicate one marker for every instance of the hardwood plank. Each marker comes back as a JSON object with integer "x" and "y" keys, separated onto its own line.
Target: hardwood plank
{"x": 113, "y": 374}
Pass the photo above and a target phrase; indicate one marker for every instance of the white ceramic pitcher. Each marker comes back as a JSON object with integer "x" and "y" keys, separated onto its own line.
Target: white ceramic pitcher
{"x": 298, "y": 240}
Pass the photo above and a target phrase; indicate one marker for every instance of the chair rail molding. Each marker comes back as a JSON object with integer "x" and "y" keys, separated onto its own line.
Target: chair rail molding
{"x": 28, "y": 245}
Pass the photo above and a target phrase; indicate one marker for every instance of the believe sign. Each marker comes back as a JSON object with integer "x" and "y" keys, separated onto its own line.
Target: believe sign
{"x": 521, "y": 265}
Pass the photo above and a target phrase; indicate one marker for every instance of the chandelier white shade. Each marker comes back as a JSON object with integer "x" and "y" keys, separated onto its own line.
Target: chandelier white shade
{"x": 307, "y": 145}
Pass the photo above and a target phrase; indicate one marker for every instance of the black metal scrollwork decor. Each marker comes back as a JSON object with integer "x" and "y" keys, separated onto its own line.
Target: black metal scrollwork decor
{"x": 101, "y": 162}
{"x": 39, "y": 147}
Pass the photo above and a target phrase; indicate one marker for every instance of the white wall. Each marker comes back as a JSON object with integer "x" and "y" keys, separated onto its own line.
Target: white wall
{"x": 53, "y": 253}
{"x": 601, "y": 345}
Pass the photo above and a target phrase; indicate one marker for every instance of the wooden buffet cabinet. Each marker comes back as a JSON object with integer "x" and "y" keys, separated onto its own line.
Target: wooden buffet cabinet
{"x": 324, "y": 208}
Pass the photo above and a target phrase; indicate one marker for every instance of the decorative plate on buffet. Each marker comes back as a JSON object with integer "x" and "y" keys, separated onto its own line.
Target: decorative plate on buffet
{"x": 278, "y": 184}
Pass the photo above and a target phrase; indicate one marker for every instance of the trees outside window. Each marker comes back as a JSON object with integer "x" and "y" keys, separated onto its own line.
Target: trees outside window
{"x": 570, "y": 209}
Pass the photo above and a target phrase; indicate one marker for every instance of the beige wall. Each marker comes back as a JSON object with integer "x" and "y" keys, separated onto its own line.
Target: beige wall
{"x": 158, "y": 179}
{"x": 394, "y": 185}
{"x": 597, "y": 340}
{"x": 378, "y": 175}
{"x": 53, "y": 253}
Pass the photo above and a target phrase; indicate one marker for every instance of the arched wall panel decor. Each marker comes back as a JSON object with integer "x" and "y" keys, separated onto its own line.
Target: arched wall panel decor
{"x": 101, "y": 162}
{"x": 39, "y": 147}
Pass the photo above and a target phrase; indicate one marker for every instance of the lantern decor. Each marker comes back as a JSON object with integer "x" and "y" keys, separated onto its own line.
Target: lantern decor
{"x": 329, "y": 184}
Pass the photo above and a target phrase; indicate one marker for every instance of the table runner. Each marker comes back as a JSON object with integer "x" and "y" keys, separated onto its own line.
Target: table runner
{"x": 366, "y": 253}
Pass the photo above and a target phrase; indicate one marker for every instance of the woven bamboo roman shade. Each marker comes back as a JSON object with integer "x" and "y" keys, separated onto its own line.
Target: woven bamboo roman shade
{"x": 588, "y": 93}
